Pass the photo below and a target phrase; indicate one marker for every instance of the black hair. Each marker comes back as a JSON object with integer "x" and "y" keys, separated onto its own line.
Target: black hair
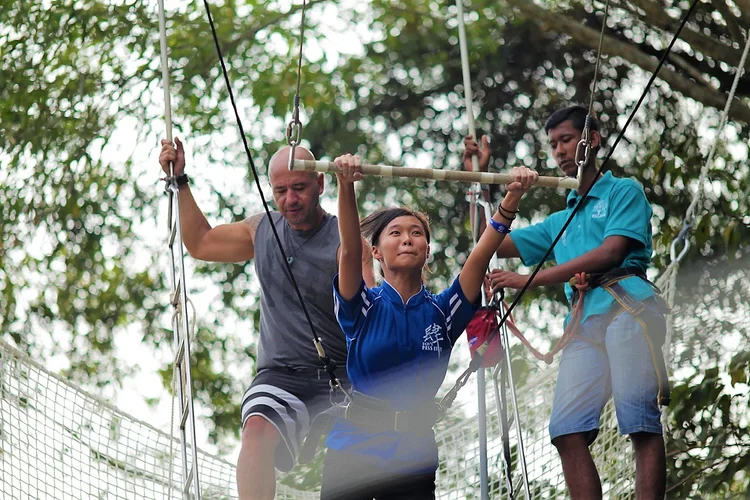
{"x": 374, "y": 224}
{"x": 576, "y": 114}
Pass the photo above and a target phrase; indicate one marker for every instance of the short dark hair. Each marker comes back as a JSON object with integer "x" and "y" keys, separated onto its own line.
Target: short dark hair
{"x": 374, "y": 224}
{"x": 576, "y": 114}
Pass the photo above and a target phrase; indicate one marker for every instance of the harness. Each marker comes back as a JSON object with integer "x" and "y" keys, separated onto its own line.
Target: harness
{"x": 375, "y": 415}
{"x": 650, "y": 322}
{"x": 370, "y": 415}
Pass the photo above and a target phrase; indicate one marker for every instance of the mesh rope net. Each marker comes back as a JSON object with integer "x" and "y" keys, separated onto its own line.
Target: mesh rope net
{"x": 57, "y": 441}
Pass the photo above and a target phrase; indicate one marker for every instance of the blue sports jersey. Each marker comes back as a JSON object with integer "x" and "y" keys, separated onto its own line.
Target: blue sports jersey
{"x": 398, "y": 352}
{"x": 614, "y": 207}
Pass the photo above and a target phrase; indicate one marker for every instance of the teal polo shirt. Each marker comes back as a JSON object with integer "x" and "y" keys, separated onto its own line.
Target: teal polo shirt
{"x": 614, "y": 207}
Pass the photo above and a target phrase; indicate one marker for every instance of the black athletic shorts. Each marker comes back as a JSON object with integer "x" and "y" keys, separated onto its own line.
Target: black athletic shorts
{"x": 289, "y": 398}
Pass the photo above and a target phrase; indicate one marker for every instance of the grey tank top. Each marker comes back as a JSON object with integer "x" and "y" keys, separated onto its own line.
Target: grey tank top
{"x": 285, "y": 335}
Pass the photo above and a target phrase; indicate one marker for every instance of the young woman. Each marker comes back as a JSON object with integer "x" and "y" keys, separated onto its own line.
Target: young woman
{"x": 399, "y": 338}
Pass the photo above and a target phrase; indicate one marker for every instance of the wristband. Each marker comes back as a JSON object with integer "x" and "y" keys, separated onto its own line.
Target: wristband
{"x": 499, "y": 227}
{"x": 181, "y": 180}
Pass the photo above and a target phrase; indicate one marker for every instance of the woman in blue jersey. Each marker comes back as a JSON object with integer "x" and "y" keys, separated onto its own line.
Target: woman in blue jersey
{"x": 399, "y": 339}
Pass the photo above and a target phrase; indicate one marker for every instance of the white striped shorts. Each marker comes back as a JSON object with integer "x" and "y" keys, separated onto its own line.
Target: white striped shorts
{"x": 288, "y": 399}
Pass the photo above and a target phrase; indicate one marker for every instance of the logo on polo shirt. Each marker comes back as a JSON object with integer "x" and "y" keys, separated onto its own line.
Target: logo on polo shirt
{"x": 432, "y": 337}
{"x": 599, "y": 210}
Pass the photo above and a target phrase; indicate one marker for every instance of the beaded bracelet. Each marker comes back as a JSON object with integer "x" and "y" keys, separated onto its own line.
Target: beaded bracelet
{"x": 508, "y": 214}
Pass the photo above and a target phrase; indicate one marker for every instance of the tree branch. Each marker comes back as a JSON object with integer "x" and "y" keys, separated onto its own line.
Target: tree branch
{"x": 731, "y": 21}
{"x": 744, "y": 6}
{"x": 266, "y": 23}
{"x": 711, "y": 47}
{"x": 674, "y": 453}
{"x": 689, "y": 69}
{"x": 702, "y": 469}
{"x": 558, "y": 22}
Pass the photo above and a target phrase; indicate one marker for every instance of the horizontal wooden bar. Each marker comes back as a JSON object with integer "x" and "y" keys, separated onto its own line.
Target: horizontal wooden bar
{"x": 431, "y": 173}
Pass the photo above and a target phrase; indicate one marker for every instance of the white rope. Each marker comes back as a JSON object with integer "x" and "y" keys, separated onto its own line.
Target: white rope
{"x": 165, "y": 70}
{"x": 667, "y": 282}
{"x": 468, "y": 97}
{"x": 175, "y": 366}
{"x": 479, "y": 202}
{"x": 690, "y": 213}
{"x": 670, "y": 273}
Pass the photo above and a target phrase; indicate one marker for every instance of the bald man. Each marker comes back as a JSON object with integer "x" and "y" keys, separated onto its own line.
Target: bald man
{"x": 290, "y": 387}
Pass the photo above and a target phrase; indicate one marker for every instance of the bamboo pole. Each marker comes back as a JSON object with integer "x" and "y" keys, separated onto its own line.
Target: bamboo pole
{"x": 436, "y": 174}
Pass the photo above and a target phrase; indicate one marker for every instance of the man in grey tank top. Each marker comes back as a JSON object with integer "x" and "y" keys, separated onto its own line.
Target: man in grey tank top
{"x": 291, "y": 387}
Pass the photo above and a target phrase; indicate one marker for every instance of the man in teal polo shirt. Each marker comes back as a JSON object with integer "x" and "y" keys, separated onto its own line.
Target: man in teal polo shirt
{"x": 610, "y": 354}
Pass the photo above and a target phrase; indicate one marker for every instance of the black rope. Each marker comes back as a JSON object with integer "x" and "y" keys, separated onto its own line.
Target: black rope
{"x": 505, "y": 427}
{"x": 329, "y": 364}
{"x": 601, "y": 169}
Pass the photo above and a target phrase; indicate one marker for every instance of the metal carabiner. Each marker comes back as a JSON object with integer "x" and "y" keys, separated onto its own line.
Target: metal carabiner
{"x": 294, "y": 132}
{"x": 582, "y": 157}
{"x": 583, "y": 149}
{"x": 682, "y": 236}
{"x": 497, "y": 298}
{"x": 293, "y": 137}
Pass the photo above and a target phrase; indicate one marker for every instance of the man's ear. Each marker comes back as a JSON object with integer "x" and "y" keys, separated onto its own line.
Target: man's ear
{"x": 321, "y": 184}
{"x": 596, "y": 139}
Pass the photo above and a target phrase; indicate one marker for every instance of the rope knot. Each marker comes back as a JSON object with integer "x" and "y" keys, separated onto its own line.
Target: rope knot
{"x": 580, "y": 281}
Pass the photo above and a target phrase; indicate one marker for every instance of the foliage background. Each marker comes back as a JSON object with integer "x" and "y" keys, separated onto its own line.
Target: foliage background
{"x": 81, "y": 256}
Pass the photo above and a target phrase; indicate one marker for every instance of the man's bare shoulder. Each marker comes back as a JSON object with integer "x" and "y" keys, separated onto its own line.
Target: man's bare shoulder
{"x": 254, "y": 221}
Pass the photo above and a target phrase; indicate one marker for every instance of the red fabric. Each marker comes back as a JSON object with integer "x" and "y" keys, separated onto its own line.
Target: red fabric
{"x": 481, "y": 328}
{"x": 484, "y": 324}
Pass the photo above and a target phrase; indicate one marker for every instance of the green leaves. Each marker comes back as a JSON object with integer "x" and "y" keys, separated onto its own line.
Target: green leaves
{"x": 78, "y": 268}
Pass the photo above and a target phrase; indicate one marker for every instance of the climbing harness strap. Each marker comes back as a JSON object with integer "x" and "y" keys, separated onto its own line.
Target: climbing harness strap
{"x": 371, "y": 415}
{"x": 376, "y": 416}
{"x": 649, "y": 321}
{"x": 610, "y": 282}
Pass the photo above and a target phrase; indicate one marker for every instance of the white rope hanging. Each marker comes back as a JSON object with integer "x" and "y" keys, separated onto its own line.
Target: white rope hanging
{"x": 175, "y": 369}
{"x": 690, "y": 213}
{"x": 667, "y": 282}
